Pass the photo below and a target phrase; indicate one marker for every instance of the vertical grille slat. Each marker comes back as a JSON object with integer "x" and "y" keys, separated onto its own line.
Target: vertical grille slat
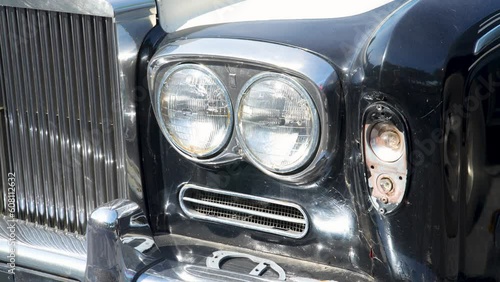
{"x": 93, "y": 84}
{"x": 28, "y": 203}
{"x": 65, "y": 164}
{"x": 59, "y": 92}
{"x": 114, "y": 110}
{"x": 4, "y": 145}
{"x": 100, "y": 88}
{"x": 81, "y": 125}
{"x": 4, "y": 87}
{"x": 46, "y": 202}
{"x": 73, "y": 117}
{"x": 49, "y": 71}
{"x": 36, "y": 201}
{"x": 46, "y": 113}
{"x": 107, "y": 109}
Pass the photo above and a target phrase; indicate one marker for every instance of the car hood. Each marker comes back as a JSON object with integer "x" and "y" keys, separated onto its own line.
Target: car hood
{"x": 176, "y": 15}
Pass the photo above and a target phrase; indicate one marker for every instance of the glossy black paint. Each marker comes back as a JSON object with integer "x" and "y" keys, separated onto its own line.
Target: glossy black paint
{"x": 417, "y": 60}
{"x": 149, "y": 131}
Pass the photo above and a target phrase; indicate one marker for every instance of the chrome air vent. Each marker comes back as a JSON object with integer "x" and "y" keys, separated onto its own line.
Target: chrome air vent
{"x": 245, "y": 211}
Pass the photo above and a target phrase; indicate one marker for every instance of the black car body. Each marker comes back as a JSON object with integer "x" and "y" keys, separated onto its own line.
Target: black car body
{"x": 429, "y": 70}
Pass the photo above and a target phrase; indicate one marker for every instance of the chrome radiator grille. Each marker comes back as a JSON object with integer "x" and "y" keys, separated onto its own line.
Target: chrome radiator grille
{"x": 59, "y": 93}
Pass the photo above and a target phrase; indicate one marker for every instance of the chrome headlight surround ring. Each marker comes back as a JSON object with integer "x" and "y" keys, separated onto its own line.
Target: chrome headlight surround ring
{"x": 158, "y": 112}
{"x": 315, "y": 73}
{"x": 290, "y": 81}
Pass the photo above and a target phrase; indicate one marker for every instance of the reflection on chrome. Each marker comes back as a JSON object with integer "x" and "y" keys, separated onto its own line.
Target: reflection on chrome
{"x": 119, "y": 242}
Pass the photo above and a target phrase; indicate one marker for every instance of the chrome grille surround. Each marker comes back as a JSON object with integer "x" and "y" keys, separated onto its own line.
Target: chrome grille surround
{"x": 123, "y": 23}
{"x": 68, "y": 93}
{"x": 246, "y": 211}
{"x": 59, "y": 92}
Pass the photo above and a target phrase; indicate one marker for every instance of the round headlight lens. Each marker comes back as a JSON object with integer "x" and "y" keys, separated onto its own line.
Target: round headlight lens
{"x": 195, "y": 110}
{"x": 277, "y": 122}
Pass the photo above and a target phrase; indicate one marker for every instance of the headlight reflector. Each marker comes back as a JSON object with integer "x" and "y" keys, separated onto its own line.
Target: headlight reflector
{"x": 195, "y": 110}
{"x": 277, "y": 122}
{"x": 386, "y": 142}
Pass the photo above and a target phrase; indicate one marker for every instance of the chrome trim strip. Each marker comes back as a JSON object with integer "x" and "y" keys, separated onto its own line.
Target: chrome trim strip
{"x": 102, "y": 8}
{"x": 44, "y": 249}
{"x": 486, "y": 40}
{"x": 295, "y": 60}
{"x": 309, "y": 67}
{"x": 490, "y": 19}
{"x": 252, "y": 212}
{"x": 26, "y": 274}
{"x": 488, "y": 25}
{"x": 484, "y": 55}
{"x": 131, "y": 28}
{"x": 241, "y": 224}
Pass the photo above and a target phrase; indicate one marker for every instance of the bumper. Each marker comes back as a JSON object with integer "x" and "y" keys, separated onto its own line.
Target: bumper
{"x": 119, "y": 246}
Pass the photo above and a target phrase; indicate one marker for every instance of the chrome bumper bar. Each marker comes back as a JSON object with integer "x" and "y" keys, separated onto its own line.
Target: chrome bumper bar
{"x": 119, "y": 246}
{"x": 118, "y": 241}
{"x": 37, "y": 247}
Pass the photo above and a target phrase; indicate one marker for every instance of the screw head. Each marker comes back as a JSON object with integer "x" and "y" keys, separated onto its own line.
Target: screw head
{"x": 382, "y": 210}
{"x": 386, "y": 184}
{"x": 385, "y": 200}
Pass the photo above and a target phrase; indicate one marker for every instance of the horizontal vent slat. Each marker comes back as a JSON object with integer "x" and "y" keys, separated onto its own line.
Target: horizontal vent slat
{"x": 244, "y": 211}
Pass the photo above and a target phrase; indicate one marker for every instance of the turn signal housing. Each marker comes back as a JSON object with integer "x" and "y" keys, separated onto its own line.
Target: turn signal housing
{"x": 386, "y": 156}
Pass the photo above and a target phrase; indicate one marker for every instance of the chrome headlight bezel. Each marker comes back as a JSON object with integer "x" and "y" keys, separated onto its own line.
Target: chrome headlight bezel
{"x": 233, "y": 63}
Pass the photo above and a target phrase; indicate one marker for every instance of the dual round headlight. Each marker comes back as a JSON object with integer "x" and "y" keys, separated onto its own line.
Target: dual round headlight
{"x": 277, "y": 122}
{"x": 196, "y": 112}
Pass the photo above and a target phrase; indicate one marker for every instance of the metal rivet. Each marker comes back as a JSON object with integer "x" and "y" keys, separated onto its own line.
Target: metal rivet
{"x": 382, "y": 211}
{"x": 385, "y": 200}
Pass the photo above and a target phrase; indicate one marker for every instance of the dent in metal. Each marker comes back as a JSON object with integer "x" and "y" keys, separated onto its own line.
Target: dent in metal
{"x": 119, "y": 241}
{"x": 387, "y": 181}
{"x": 102, "y": 8}
{"x": 282, "y": 59}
